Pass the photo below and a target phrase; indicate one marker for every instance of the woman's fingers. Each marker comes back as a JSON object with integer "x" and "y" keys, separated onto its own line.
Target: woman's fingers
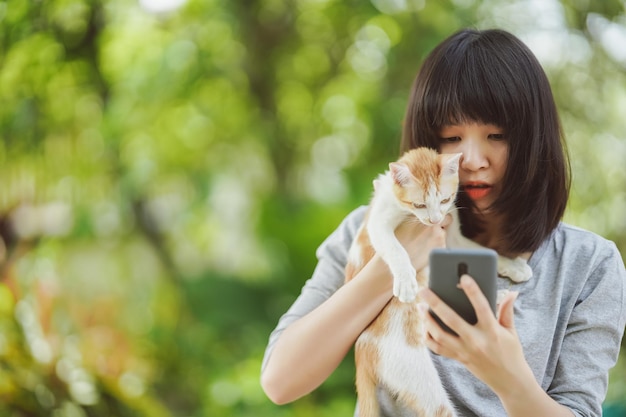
{"x": 445, "y": 313}
{"x": 484, "y": 314}
{"x": 437, "y": 340}
{"x": 483, "y": 311}
{"x": 506, "y": 311}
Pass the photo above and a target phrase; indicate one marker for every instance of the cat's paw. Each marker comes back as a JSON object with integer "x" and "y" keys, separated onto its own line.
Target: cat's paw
{"x": 517, "y": 270}
{"x": 405, "y": 286}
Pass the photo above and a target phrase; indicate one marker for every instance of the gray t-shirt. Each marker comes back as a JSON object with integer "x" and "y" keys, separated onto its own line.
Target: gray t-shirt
{"x": 569, "y": 316}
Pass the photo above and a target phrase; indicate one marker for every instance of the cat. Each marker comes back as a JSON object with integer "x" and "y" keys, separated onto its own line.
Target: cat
{"x": 421, "y": 185}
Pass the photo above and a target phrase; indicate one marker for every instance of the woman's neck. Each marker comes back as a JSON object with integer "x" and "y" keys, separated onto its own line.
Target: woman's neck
{"x": 492, "y": 236}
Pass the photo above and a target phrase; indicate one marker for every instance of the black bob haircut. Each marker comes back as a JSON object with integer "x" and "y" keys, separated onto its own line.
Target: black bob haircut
{"x": 491, "y": 77}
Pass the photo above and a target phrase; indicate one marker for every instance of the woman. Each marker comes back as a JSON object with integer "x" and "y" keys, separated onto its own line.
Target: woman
{"x": 481, "y": 93}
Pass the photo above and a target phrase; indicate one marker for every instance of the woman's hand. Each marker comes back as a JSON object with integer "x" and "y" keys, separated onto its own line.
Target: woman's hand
{"x": 418, "y": 240}
{"x": 490, "y": 349}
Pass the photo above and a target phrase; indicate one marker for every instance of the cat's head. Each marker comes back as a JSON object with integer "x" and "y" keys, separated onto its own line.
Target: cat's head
{"x": 426, "y": 183}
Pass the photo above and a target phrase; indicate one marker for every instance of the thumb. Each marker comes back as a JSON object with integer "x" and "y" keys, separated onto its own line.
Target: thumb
{"x": 506, "y": 311}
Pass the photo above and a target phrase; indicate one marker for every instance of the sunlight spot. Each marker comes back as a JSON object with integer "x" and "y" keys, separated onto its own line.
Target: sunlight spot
{"x": 326, "y": 185}
{"x": 339, "y": 111}
{"x": 612, "y": 36}
{"x": 161, "y": 6}
{"x": 225, "y": 393}
{"x": 464, "y": 3}
{"x": 131, "y": 384}
{"x": 398, "y": 6}
{"x": 69, "y": 409}
{"x": 38, "y": 345}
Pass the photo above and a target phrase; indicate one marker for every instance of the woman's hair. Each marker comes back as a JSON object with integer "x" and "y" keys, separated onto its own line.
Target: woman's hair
{"x": 491, "y": 77}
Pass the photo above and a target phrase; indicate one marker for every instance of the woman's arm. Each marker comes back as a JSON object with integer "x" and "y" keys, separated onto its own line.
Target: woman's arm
{"x": 312, "y": 347}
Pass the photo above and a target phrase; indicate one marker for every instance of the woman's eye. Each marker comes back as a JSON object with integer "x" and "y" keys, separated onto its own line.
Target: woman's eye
{"x": 445, "y": 201}
{"x": 497, "y": 136}
{"x": 419, "y": 206}
{"x": 451, "y": 139}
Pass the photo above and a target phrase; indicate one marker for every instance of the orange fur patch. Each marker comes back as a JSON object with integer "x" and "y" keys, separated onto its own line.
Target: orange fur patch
{"x": 366, "y": 359}
{"x": 424, "y": 164}
{"x": 411, "y": 324}
{"x": 443, "y": 412}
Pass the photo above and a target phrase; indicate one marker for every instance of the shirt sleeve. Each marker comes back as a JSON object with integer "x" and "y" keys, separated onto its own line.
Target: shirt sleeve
{"x": 593, "y": 335}
{"x": 327, "y": 277}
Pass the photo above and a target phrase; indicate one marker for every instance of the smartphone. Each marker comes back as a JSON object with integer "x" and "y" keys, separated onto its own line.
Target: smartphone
{"x": 446, "y": 268}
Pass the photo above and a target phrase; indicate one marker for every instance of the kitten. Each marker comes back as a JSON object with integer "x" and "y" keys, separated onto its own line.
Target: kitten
{"x": 421, "y": 185}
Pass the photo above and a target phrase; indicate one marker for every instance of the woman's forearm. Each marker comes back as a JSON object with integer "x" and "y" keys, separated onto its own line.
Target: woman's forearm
{"x": 310, "y": 349}
{"x": 529, "y": 399}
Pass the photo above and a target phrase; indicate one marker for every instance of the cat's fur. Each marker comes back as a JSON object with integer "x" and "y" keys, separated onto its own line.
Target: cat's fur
{"x": 420, "y": 186}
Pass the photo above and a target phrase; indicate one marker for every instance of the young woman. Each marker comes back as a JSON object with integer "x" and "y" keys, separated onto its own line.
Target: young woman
{"x": 481, "y": 93}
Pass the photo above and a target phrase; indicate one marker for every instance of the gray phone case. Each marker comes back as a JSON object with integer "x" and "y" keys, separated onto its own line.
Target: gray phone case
{"x": 446, "y": 268}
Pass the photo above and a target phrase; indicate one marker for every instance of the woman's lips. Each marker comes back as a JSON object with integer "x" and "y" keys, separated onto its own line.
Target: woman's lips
{"x": 476, "y": 190}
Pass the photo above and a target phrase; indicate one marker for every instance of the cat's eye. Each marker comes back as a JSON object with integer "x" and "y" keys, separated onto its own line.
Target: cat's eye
{"x": 445, "y": 200}
{"x": 419, "y": 206}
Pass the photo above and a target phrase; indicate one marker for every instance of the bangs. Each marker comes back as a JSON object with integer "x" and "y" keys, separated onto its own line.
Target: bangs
{"x": 473, "y": 85}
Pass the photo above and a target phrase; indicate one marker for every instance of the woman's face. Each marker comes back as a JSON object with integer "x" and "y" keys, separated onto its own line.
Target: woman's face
{"x": 483, "y": 164}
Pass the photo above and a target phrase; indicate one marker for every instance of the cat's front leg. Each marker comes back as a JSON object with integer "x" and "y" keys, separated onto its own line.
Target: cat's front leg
{"x": 405, "y": 285}
{"x": 385, "y": 243}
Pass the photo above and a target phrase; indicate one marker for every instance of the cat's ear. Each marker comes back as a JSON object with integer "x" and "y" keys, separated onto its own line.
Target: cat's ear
{"x": 450, "y": 164}
{"x": 400, "y": 173}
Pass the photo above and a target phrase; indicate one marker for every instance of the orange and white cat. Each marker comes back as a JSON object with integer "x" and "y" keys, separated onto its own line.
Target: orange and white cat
{"x": 391, "y": 352}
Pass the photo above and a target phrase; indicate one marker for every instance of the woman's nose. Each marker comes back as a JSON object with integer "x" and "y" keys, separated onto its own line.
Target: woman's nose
{"x": 474, "y": 158}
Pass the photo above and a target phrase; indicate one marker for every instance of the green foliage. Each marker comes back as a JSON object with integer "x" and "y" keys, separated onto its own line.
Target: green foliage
{"x": 167, "y": 175}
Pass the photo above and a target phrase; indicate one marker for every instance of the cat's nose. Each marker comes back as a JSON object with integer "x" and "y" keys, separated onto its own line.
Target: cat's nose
{"x": 436, "y": 219}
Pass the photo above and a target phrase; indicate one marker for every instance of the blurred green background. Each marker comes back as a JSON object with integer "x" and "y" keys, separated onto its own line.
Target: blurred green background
{"x": 168, "y": 167}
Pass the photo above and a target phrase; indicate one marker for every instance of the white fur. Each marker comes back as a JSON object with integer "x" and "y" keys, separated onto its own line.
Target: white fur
{"x": 410, "y": 369}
